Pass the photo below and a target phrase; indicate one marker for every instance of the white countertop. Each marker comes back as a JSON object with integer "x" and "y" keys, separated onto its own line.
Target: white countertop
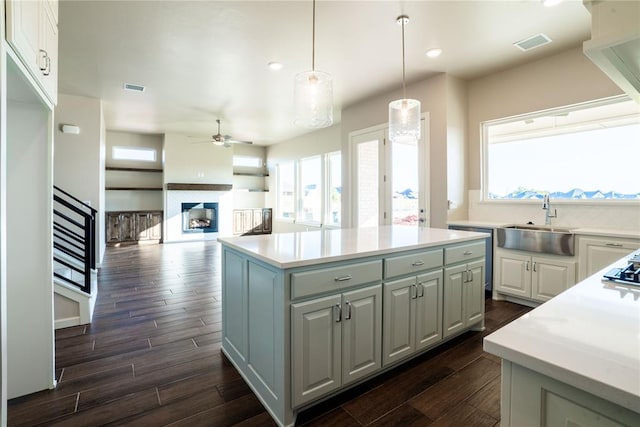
{"x": 588, "y": 337}
{"x": 288, "y": 250}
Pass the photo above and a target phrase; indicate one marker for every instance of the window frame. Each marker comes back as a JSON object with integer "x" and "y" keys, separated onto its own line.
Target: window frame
{"x": 327, "y": 190}
{"x": 278, "y": 215}
{"x": 484, "y": 157}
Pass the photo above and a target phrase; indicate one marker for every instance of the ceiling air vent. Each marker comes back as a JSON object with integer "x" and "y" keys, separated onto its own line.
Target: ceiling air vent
{"x": 134, "y": 88}
{"x": 532, "y": 42}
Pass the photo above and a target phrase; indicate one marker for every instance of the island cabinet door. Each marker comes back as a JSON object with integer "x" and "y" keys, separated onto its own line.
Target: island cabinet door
{"x": 474, "y": 293}
{"x": 428, "y": 311}
{"x": 361, "y": 332}
{"x": 316, "y": 348}
{"x": 454, "y": 281}
{"x": 398, "y": 323}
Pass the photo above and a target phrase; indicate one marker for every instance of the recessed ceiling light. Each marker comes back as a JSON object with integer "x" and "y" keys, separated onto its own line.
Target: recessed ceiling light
{"x": 551, "y": 3}
{"x": 433, "y": 53}
{"x": 275, "y": 65}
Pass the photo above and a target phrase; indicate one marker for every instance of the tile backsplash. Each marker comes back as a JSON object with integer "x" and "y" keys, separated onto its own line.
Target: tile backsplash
{"x": 615, "y": 216}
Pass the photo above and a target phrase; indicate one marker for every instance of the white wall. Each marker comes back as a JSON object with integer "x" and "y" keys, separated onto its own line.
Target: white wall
{"x": 79, "y": 159}
{"x": 29, "y": 169}
{"x": 321, "y": 141}
{"x": 456, "y": 148}
{"x": 189, "y": 162}
{"x": 133, "y": 200}
{"x": 563, "y": 79}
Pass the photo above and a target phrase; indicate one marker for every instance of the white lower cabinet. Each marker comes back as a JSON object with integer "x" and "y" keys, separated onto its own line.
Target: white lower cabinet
{"x": 412, "y": 315}
{"x": 533, "y": 277}
{"x": 336, "y": 340}
{"x": 463, "y": 296}
{"x": 595, "y": 253}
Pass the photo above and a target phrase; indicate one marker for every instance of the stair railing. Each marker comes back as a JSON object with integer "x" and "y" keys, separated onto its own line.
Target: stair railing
{"x": 74, "y": 234}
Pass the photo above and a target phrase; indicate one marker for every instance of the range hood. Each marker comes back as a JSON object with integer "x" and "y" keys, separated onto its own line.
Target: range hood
{"x": 615, "y": 42}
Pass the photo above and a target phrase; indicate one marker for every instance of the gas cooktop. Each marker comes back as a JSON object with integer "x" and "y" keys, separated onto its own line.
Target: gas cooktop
{"x": 629, "y": 274}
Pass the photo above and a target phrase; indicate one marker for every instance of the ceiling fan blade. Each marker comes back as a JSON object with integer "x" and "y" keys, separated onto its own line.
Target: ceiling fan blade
{"x": 235, "y": 141}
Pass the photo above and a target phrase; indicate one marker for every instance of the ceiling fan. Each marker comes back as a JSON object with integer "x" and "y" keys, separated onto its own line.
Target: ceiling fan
{"x": 224, "y": 140}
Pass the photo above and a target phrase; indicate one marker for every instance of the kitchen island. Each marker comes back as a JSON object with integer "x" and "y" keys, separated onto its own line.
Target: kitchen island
{"x": 574, "y": 360}
{"x": 307, "y": 315}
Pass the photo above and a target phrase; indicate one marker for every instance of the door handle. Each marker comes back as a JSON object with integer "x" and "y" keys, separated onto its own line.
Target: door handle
{"x": 534, "y": 265}
{"x": 337, "y": 310}
{"x": 421, "y": 289}
{"x": 527, "y": 266}
{"x": 414, "y": 291}
{"x": 348, "y": 315}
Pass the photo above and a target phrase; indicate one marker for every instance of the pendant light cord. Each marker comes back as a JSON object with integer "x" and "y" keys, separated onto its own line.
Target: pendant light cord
{"x": 313, "y": 38}
{"x": 404, "y": 86}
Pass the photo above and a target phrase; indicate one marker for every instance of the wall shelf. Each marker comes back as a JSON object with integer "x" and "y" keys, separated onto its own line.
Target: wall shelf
{"x": 258, "y": 174}
{"x": 135, "y": 188}
{"x": 113, "y": 168}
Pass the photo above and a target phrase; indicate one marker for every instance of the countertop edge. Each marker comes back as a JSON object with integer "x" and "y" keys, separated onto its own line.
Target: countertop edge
{"x": 597, "y": 388}
{"x": 584, "y": 231}
{"x": 350, "y": 256}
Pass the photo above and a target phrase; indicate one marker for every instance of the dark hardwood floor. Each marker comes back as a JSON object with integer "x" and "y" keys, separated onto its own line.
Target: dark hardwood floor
{"x": 152, "y": 357}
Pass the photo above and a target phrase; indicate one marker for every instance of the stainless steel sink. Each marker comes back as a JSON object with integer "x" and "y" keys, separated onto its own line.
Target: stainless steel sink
{"x": 537, "y": 238}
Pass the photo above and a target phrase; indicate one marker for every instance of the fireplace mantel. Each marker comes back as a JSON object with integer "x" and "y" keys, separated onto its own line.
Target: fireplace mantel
{"x": 199, "y": 187}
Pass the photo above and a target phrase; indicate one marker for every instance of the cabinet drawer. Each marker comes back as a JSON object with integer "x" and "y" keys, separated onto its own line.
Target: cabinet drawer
{"x": 331, "y": 279}
{"x": 463, "y": 253}
{"x": 404, "y": 264}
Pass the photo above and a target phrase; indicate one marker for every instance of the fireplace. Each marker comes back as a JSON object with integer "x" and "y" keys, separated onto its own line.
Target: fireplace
{"x": 199, "y": 217}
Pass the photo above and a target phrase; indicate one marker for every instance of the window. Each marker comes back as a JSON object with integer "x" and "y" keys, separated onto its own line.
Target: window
{"x": 313, "y": 195}
{"x": 334, "y": 188}
{"x": 286, "y": 190}
{"x": 310, "y": 190}
{"x": 247, "y": 161}
{"x": 588, "y": 151}
{"x": 134, "y": 153}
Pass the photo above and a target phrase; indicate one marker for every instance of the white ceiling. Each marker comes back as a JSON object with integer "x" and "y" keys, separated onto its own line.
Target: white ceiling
{"x": 202, "y": 60}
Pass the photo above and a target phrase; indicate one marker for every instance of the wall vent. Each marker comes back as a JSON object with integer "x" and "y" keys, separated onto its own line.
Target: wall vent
{"x": 134, "y": 87}
{"x": 532, "y": 42}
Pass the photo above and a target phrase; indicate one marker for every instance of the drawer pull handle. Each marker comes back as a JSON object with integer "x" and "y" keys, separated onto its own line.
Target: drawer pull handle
{"x": 418, "y": 263}
{"x": 615, "y": 245}
{"x": 468, "y": 252}
{"x": 343, "y": 278}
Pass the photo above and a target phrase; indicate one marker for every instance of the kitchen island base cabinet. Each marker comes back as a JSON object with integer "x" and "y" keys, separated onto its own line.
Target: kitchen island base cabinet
{"x": 298, "y": 332}
{"x": 532, "y": 399}
{"x": 336, "y": 340}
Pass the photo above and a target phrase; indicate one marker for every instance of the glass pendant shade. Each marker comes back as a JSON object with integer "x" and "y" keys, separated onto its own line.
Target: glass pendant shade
{"x": 313, "y": 99}
{"x": 404, "y": 120}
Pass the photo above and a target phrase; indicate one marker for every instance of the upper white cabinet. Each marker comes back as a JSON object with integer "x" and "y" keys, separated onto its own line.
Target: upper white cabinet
{"x": 32, "y": 31}
{"x": 595, "y": 253}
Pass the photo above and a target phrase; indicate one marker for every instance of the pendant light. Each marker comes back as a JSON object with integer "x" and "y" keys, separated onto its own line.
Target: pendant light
{"x": 404, "y": 114}
{"x": 313, "y": 92}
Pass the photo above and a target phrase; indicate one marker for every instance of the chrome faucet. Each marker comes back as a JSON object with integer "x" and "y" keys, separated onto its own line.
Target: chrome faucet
{"x": 546, "y": 205}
